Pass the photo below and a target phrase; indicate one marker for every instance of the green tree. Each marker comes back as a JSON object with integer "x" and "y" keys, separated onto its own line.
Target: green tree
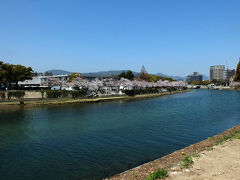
{"x": 1, "y": 81}
{"x": 21, "y": 73}
{"x": 74, "y": 76}
{"x": 128, "y": 75}
{"x": 205, "y": 83}
{"x": 153, "y": 78}
{"x": 144, "y": 76}
{"x": 48, "y": 73}
{"x": 10, "y": 73}
{"x": 214, "y": 81}
{"x": 6, "y": 74}
{"x": 122, "y": 75}
{"x": 237, "y": 75}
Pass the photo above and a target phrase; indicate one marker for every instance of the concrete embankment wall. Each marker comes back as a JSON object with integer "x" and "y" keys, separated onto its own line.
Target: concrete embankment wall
{"x": 28, "y": 95}
{"x": 34, "y": 94}
{"x": 35, "y": 97}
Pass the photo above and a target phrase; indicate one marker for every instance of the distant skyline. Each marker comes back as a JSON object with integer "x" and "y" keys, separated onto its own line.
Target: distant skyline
{"x": 171, "y": 37}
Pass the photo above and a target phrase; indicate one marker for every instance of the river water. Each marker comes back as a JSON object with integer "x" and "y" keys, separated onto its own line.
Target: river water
{"x": 93, "y": 141}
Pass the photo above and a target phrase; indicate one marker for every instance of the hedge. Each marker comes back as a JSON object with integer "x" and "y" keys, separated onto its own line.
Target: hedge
{"x": 65, "y": 93}
{"x": 53, "y": 93}
{"x": 141, "y": 91}
{"x": 16, "y": 94}
{"x": 79, "y": 93}
{"x": 147, "y": 91}
{"x": 2, "y": 95}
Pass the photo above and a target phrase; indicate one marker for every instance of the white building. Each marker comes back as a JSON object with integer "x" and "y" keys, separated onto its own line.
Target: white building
{"x": 38, "y": 81}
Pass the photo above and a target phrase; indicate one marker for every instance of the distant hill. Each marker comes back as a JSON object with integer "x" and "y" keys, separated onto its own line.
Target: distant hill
{"x": 92, "y": 74}
{"x": 115, "y": 73}
{"x": 106, "y": 73}
{"x": 178, "y": 78}
{"x": 174, "y": 77}
{"x": 59, "y": 72}
{"x": 161, "y": 74}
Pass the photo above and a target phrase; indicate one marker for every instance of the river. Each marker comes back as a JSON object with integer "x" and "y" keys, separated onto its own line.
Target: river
{"x": 93, "y": 141}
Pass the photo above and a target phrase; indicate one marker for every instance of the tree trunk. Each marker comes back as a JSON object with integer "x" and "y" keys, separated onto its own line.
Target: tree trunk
{"x": 9, "y": 85}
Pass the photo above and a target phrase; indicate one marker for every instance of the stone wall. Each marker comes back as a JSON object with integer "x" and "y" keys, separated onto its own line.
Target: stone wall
{"x": 29, "y": 95}
{"x": 33, "y": 94}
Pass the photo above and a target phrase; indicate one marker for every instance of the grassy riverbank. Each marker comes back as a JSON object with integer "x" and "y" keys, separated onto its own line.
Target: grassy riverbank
{"x": 174, "y": 161}
{"x": 86, "y": 100}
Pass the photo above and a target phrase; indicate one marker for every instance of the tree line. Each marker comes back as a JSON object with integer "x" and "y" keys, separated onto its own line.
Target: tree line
{"x": 143, "y": 75}
{"x": 11, "y": 74}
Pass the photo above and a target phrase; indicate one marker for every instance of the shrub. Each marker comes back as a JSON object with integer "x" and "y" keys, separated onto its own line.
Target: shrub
{"x": 9, "y": 94}
{"x": 78, "y": 93}
{"x": 2, "y": 95}
{"x": 170, "y": 89}
{"x": 158, "y": 174}
{"x": 129, "y": 92}
{"x": 187, "y": 161}
{"x": 209, "y": 148}
{"x": 53, "y": 93}
{"x": 19, "y": 94}
{"x": 64, "y": 93}
{"x": 196, "y": 155}
{"x": 141, "y": 91}
{"x": 16, "y": 94}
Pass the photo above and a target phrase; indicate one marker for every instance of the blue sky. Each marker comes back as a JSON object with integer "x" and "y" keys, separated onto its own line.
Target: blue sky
{"x": 174, "y": 37}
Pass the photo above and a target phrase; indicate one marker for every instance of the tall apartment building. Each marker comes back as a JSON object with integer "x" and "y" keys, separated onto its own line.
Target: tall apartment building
{"x": 217, "y": 72}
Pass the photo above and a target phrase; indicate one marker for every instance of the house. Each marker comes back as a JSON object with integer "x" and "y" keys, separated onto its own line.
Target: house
{"x": 38, "y": 81}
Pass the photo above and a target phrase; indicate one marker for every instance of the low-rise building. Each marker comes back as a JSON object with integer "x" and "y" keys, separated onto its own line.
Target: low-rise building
{"x": 39, "y": 81}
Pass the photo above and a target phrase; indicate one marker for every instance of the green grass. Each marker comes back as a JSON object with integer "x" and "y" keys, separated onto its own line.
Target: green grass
{"x": 209, "y": 148}
{"x": 160, "y": 174}
{"x": 233, "y": 135}
{"x": 187, "y": 161}
{"x": 196, "y": 155}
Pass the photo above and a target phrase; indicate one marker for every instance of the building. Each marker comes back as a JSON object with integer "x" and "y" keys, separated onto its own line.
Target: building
{"x": 229, "y": 73}
{"x": 217, "y": 73}
{"x": 38, "y": 81}
{"x": 194, "y": 77}
{"x": 34, "y": 82}
{"x": 60, "y": 77}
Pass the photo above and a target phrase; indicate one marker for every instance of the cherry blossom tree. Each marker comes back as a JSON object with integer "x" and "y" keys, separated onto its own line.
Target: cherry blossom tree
{"x": 80, "y": 83}
{"x": 125, "y": 84}
{"x": 51, "y": 81}
{"x": 106, "y": 85}
{"x": 110, "y": 82}
{"x": 234, "y": 84}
